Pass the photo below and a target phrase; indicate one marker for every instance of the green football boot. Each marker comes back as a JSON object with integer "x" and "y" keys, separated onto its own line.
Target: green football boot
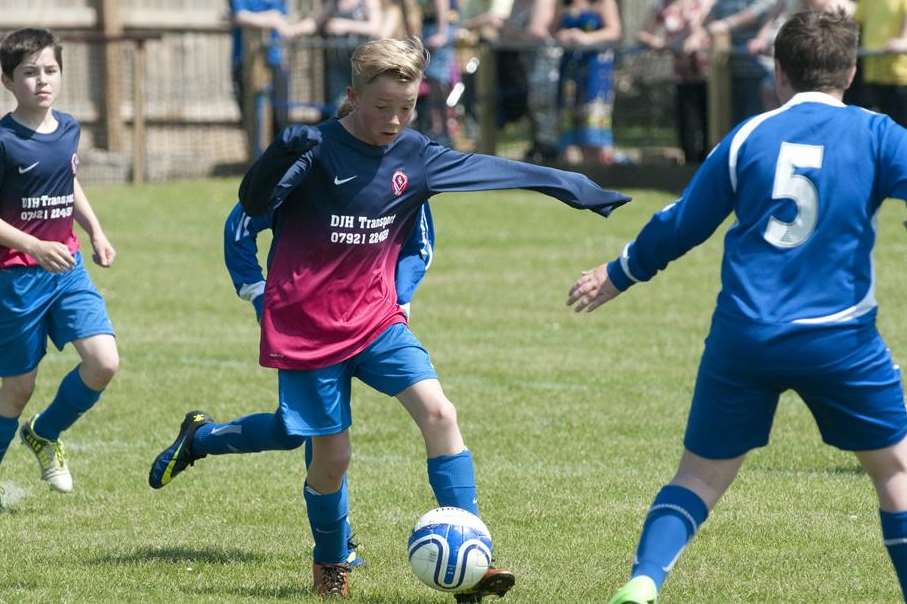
{"x": 50, "y": 456}
{"x": 178, "y": 456}
{"x": 639, "y": 590}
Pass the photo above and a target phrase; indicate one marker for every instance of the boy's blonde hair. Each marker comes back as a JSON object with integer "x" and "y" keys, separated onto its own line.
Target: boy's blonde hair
{"x": 404, "y": 60}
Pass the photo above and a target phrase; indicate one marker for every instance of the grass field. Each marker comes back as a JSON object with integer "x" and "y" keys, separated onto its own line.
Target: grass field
{"x": 574, "y": 421}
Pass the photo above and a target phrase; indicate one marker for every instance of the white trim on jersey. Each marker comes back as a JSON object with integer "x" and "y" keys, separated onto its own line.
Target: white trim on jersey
{"x": 250, "y": 291}
{"x": 428, "y": 253}
{"x": 750, "y": 126}
{"x": 625, "y": 262}
{"x": 859, "y": 309}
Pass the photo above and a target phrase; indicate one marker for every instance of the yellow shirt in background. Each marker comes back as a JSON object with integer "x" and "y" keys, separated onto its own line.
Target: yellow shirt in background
{"x": 882, "y": 21}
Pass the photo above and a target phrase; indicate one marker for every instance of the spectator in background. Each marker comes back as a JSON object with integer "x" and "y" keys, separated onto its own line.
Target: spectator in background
{"x": 742, "y": 19}
{"x": 668, "y": 27}
{"x": 271, "y": 16}
{"x": 586, "y": 96}
{"x": 885, "y": 29}
{"x": 535, "y": 20}
{"x": 399, "y": 19}
{"x": 431, "y": 110}
{"x": 345, "y": 24}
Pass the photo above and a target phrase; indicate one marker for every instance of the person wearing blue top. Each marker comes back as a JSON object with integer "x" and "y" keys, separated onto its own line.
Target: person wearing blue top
{"x": 797, "y": 307}
{"x": 45, "y": 290}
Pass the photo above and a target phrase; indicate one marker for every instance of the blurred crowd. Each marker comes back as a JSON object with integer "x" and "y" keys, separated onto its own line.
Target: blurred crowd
{"x": 555, "y": 60}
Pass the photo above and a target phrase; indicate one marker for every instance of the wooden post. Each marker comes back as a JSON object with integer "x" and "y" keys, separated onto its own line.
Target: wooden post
{"x": 719, "y": 89}
{"x": 256, "y": 80}
{"x": 487, "y": 98}
{"x": 138, "y": 113}
{"x": 110, "y": 24}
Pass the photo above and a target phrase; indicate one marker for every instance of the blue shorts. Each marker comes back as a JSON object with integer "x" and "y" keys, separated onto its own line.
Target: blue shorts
{"x": 35, "y": 304}
{"x": 317, "y": 402}
{"x": 844, "y": 374}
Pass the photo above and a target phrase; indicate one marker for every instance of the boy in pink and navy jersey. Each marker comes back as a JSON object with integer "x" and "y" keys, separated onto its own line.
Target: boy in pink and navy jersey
{"x": 44, "y": 288}
{"x": 346, "y": 196}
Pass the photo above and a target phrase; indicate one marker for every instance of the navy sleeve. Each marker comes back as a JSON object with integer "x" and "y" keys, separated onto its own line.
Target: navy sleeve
{"x": 893, "y": 160}
{"x": 241, "y": 253}
{"x": 681, "y": 226}
{"x": 415, "y": 256}
{"x": 449, "y": 171}
{"x": 285, "y": 162}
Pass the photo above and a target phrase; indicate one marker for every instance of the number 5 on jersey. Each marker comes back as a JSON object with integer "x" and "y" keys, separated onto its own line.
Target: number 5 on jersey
{"x": 799, "y": 188}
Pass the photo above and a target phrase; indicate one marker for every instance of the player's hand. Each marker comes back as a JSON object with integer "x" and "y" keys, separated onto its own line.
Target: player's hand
{"x": 52, "y": 256}
{"x": 103, "y": 252}
{"x": 592, "y": 289}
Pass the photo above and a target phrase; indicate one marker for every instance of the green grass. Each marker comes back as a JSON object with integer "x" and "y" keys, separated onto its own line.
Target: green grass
{"x": 575, "y": 422}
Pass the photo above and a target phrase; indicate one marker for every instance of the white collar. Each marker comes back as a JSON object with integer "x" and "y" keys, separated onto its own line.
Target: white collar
{"x": 814, "y": 97}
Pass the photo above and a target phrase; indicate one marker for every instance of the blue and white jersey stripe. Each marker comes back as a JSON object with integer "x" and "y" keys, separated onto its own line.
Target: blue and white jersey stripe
{"x": 805, "y": 183}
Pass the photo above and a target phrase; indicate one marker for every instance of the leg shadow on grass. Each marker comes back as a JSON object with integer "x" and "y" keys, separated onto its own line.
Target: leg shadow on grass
{"x": 181, "y": 555}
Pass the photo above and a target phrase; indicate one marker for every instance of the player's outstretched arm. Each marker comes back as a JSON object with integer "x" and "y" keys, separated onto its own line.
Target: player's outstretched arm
{"x": 451, "y": 171}
{"x": 52, "y": 256}
{"x": 279, "y": 170}
{"x": 103, "y": 252}
{"x": 241, "y": 255}
{"x": 592, "y": 289}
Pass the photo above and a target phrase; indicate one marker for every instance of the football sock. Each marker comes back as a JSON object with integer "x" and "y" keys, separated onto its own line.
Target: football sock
{"x": 673, "y": 519}
{"x": 327, "y": 517}
{"x": 8, "y": 427}
{"x": 73, "y": 399}
{"x": 451, "y": 478}
{"x": 248, "y": 434}
{"x": 894, "y": 532}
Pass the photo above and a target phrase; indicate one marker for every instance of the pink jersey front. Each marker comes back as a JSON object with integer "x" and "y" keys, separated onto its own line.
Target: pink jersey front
{"x": 37, "y": 183}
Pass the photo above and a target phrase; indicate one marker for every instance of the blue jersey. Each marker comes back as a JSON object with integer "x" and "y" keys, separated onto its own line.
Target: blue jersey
{"x": 805, "y": 183}
{"x": 241, "y": 255}
{"x": 275, "y": 45}
{"x": 37, "y": 183}
{"x": 346, "y": 210}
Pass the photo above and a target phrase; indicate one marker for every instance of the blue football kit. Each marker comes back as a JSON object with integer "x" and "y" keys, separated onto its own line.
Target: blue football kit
{"x": 796, "y": 308}
{"x": 241, "y": 255}
{"x": 37, "y": 176}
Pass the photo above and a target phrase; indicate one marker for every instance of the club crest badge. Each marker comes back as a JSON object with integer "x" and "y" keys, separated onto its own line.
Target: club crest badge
{"x": 399, "y": 181}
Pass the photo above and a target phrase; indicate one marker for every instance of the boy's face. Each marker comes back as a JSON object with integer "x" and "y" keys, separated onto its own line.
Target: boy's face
{"x": 383, "y": 108}
{"x": 36, "y": 80}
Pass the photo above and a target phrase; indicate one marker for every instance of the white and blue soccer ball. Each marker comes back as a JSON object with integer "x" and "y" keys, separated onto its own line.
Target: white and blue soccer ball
{"x": 450, "y": 549}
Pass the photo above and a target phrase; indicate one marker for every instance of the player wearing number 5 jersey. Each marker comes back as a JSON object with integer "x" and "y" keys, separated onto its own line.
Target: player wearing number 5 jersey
{"x": 797, "y": 308}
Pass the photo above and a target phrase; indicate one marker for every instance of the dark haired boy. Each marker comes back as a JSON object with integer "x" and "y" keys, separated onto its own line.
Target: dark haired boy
{"x": 797, "y": 308}
{"x": 44, "y": 288}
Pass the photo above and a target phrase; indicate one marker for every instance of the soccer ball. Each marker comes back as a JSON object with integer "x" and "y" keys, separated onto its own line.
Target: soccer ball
{"x": 450, "y": 549}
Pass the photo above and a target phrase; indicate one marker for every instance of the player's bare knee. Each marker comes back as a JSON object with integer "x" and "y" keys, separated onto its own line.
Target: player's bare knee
{"x": 441, "y": 415}
{"x": 100, "y": 369}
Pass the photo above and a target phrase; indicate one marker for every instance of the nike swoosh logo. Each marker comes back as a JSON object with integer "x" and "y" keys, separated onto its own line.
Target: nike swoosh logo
{"x": 337, "y": 181}
{"x": 24, "y": 170}
{"x": 228, "y": 429}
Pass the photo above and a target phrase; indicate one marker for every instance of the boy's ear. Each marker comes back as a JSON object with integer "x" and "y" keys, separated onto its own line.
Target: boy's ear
{"x": 7, "y": 82}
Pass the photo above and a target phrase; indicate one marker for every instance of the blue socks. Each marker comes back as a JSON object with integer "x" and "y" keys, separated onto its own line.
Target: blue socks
{"x": 73, "y": 399}
{"x": 330, "y": 529}
{"x": 894, "y": 532}
{"x": 249, "y": 434}
{"x": 451, "y": 478}
{"x": 673, "y": 519}
{"x": 8, "y": 426}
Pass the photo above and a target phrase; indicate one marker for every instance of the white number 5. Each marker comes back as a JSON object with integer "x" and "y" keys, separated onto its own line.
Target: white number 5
{"x": 799, "y": 188}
